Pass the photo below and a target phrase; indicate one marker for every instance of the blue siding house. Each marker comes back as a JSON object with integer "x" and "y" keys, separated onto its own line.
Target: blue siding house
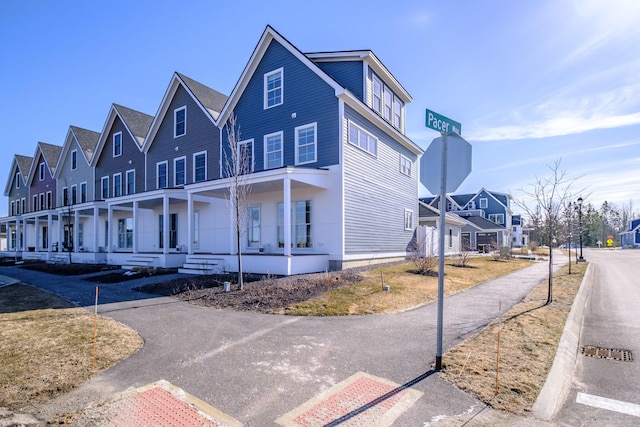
{"x": 630, "y": 238}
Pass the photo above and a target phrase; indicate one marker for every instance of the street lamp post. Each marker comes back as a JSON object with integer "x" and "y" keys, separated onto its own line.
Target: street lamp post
{"x": 581, "y": 259}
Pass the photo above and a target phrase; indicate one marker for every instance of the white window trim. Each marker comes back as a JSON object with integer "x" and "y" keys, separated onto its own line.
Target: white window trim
{"x": 408, "y": 219}
{"x": 102, "y": 187}
{"x": 314, "y": 125}
{"x": 18, "y": 179}
{"x": 193, "y": 169}
{"x": 266, "y": 153}
{"x": 114, "y": 144}
{"x": 65, "y": 200}
{"x": 119, "y": 175}
{"x": 74, "y": 159}
{"x": 126, "y": 183}
{"x": 41, "y": 171}
{"x": 497, "y": 218}
{"x": 13, "y": 208}
{"x": 265, "y": 91}
{"x": 357, "y": 143}
{"x": 74, "y": 188}
{"x": 166, "y": 163}
{"x": 253, "y": 150}
{"x": 175, "y": 122}
{"x": 86, "y": 189}
{"x": 175, "y": 170}
{"x": 406, "y": 165}
{"x": 248, "y": 242}
{"x": 484, "y": 203}
{"x": 34, "y": 208}
{"x": 49, "y": 199}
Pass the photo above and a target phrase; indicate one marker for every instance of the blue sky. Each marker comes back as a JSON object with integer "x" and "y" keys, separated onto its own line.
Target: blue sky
{"x": 531, "y": 81}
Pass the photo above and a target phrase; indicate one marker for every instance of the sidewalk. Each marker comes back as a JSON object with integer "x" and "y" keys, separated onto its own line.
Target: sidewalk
{"x": 272, "y": 370}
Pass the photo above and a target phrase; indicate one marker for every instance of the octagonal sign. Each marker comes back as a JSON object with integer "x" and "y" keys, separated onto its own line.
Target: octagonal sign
{"x": 458, "y": 164}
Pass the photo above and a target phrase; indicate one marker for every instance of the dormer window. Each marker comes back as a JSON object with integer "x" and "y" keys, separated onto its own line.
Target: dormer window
{"x": 273, "y": 85}
{"x": 386, "y": 103}
{"x": 117, "y": 144}
{"x": 180, "y": 121}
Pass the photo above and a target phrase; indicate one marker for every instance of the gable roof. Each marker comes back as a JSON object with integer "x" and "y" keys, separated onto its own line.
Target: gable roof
{"x": 50, "y": 154}
{"x": 428, "y": 211}
{"x": 210, "y": 101}
{"x": 136, "y": 123}
{"x": 23, "y": 164}
{"x": 87, "y": 140}
{"x": 342, "y": 93}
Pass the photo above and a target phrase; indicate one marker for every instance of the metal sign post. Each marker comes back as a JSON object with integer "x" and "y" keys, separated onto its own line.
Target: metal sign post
{"x": 441, "y": 226}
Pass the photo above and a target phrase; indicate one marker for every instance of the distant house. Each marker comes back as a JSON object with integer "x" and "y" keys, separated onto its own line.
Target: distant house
{"x": 631, "y": 237}
{"x": 489, "y": 215}
{"x": 430, "y": 217}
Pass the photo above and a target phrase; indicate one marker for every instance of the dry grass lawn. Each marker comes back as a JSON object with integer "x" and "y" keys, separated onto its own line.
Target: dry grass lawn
{"x": 46, "y": 346}
{"x": 529, "y": 337}
{"x": 407, "y": 289}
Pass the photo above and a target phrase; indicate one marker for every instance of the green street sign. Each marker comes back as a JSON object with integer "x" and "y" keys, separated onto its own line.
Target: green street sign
{"x": 442, "y": 124}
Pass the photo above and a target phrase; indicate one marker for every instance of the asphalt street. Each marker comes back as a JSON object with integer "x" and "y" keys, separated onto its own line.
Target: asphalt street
{"x": 257, "y": 367}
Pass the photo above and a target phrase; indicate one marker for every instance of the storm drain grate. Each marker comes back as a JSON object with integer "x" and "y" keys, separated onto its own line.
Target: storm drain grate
{"x": 607, "y": 353}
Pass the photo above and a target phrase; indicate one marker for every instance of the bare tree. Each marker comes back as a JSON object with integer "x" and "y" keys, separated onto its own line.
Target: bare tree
{"x": 237, "y": 165}
{"x": 546, "y": 199}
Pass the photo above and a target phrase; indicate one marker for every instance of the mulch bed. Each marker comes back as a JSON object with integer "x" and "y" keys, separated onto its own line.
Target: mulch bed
{"x": 65, "y": 269}
{"x": 123, "y": 276}
{"x": 265, "y": 295}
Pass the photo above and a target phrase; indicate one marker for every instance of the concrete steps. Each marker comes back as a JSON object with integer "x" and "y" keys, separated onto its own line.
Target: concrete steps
{"x": 141, "y": 261}
{"x": 202, "y": 264}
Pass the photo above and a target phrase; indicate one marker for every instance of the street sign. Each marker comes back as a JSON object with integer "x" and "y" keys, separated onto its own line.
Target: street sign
{"x": 458, "y": 164}
{"x": 442, "y": 124}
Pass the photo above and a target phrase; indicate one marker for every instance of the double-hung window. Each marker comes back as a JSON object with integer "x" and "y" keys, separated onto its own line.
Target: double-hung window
{"x": 104, "y": 185}
{"x": 74, "y": 194}
{"x": 408, "y": 219}
{"x": 200, "y": 166}
{"x": 117, "y": 144}
{"x": 273, "y": 150}
{"x": 161, "y": 175}
{"x": 306, "y": 144}
{"x": 497, "y": 218}
{"x": 83, "y": 192}
{"x": 131, "y": 181}
{"x": 405, "y": 165}
{"x": 49, "y": 199}
{"x": 377, "y": 93}
{"x": 179, "y": 171}
{"x": 74, "y": 160}
{"x": 484, "y": 203}
{"x": 34, "y": 206}
{"x": 18, "y": 179}
{"x": 65, "y": 197}
{"x": 253, "y": 229}
{"x": 301, "y": 224}
{"x": 273, "y": 88}
{"x": 117, "y": 185}
{"x": 397, "y": 112}
{"x": 363, "y": 139}
{"x": 244, "y": 160}
{"x": 180, "y": 121}
{"x": 41, "y": 171}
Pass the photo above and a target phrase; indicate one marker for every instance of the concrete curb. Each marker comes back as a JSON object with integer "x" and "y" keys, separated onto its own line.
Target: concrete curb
{"x": 558, "y": 384}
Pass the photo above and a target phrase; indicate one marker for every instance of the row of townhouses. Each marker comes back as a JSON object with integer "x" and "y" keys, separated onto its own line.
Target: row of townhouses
{"x": 333, "y": 175}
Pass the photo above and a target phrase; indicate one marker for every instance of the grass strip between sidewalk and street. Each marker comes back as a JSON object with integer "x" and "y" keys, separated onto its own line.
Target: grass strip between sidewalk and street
{"x": 528, "y": 336}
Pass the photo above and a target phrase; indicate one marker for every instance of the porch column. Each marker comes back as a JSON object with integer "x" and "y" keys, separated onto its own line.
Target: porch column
{"x": 95, "y": 229}
{"x": 165, "y": 224}
{"x": 135, "y": 227}
{"x": 49, "y": 223}
{"x": 287, "y": 216}
{"x": 24, "y": 234}
{"x": 110, "y": 225}
{"x": 232, "y": 225}
{"x": 190, "y": 223}
{"x": 17, "y": 242}
{"x": 37, "y": 229}
{"x": 76, "y": 231}
{"x": 60, "y": 232}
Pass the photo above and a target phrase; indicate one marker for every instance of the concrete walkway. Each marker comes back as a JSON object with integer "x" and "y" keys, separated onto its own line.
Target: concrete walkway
{"x": 258, "y": 368}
